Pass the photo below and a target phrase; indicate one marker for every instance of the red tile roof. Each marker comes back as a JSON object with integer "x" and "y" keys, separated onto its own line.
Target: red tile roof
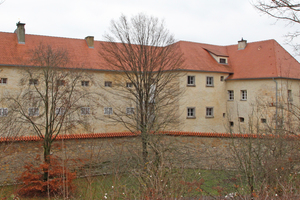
{"x": 263, "y": 59}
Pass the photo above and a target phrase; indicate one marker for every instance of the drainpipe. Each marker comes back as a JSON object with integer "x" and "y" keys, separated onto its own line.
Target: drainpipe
{"x": 276, "y": 103}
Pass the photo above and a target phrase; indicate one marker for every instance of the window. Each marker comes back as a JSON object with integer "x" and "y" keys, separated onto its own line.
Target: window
{"x": 61, "y": 82}
{"x": 222, "y": 60}
{"x": 290, "y": 97}
{"x": 231, "y": 124}
{"x": 244, "y": 95}
{"x": 241, "y": 119}
{"x": 3, "y": 80}
{"x": 3, "y": 112}
{"x": 129, "y": 85}
{"x": 33, "y": 81}
{"x": 85, "y": 83}
{"x": 224, "y": 115}
{"x": 107, "y": 83}
{"x": 209, "y": 81}
{"x": 191, "y": 80}
{"x": 263, "y": 120}
{"x": 60, "y": 111}
{"x": 209, "y": 112}
{"x": 230, "y": 95}
{"x": 129, "y": 111}
{"x": 108, "y": 111}
{"x": 221, "y": 78}
{"x": 33, "y": 111}
{"x": 191, "y": 113}
{"x": 85, "y": 111}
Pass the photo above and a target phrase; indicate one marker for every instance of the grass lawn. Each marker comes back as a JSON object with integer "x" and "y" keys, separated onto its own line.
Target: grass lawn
{"x": 196, "y": 183}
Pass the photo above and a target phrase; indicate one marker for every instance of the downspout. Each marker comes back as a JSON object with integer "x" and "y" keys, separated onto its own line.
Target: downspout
{"x": 276, "y": 103}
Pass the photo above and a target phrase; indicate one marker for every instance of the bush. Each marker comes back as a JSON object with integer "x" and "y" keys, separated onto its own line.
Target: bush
{"x": 59, "y": 181}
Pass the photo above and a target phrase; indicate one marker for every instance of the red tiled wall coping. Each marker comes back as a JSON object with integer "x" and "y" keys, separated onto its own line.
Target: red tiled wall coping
{"x": 130, "y": 134}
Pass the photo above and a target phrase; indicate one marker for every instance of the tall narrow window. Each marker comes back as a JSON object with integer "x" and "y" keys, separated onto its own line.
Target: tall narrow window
{"x": 290, "y": 96}
{"x": 230, "y": 95}
{"x": 243, "y": 95}
{"x": 191, "y": 80}
{"x": 221, "y": 78}
{"x": 209, "y": 81}
{"x": 3, "y": 80}
{"x": 209, "y": 112}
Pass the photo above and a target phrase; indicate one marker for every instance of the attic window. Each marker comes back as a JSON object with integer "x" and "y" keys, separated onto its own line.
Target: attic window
{"x": 223, "y": 60}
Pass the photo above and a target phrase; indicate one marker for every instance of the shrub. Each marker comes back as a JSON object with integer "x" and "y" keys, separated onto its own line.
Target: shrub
{"x": 59, "y": 181}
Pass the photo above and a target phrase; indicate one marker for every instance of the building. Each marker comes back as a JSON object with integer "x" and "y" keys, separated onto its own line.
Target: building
{"x": 227, "y": 88}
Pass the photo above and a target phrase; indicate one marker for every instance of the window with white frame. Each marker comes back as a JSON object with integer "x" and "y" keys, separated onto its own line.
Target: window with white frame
{"x": 129, "y": 111}
{"x": 191, "y": 80}
{"x": 60, "y": 111}
{"x": 3, "y": 112}
{"x": 230, "y": 95}
{"x": 243, "y": 95}
{"x": 33, "y": 81}
{"x": 107, "y": 83}
{"x": 223, "y": 60}
{"x": 191, "y": 112}
{"x": 108, "y": 111}
{"x": 209, "y": 81}
{"x": 33, "y": 111}
{"x": 85, "y": 83}
{"x": 85, "y": 110}
{"x": 209, "y": 112}
{"x": 129, "y": 85}
{"x": 221, "y": 78}
{"x": 3, "y": 80}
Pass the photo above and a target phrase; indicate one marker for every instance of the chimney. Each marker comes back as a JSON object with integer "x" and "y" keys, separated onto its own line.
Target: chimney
{"x": 242, "y": 44}
{"x": 90, "y": 41}
{"x": 20, "y": 32}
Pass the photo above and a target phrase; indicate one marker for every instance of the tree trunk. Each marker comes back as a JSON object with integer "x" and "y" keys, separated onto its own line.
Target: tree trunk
{"x": 47, "y": 147}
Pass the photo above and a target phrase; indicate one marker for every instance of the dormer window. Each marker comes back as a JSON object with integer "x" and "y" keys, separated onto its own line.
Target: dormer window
{"x": 223, "y": 60}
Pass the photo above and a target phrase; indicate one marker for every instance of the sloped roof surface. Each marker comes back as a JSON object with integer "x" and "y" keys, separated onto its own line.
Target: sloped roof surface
{"x": 263, "y": 59}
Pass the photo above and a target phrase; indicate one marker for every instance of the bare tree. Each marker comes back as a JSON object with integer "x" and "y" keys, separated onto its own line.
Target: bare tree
{"x": 50, "y": 100}
{"x": 147, "y": 62}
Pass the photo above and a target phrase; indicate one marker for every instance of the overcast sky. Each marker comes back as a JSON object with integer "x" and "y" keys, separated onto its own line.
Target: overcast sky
{"x": 220, "y": 22}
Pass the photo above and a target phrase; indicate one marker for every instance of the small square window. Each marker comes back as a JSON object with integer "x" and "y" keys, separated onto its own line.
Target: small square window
{"x": 263, "y": 120}
{"x": 3, "y": 112}
{"x": 108, "y": 111}
{"x": 107, "y": 83}
{"x": 85, "y": 111}
{"x": 243, "y": 95}
{"x": 60, "y": 111}
{"x": 191, "y": 112}
{"x": 61, "y": 82}
{"x": 33, "y": 81}
{"x": 85, "y": 83}
{"x": 222, "y": 60}
{"x": 231, "y": 123}
{"x": 209, "y": 112}
{"x": 241, "y": 119}
{"x": 209, "y": 81}
{"x": 129, "y": 111}
{"x": 3, "y": 80}
{"x": 129, "y": 85}
{"x": 221, "y": 78}
{"x": 191, "y": 80}
{"x": 33, "y": 111}
{"x": 230, "y": 95}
